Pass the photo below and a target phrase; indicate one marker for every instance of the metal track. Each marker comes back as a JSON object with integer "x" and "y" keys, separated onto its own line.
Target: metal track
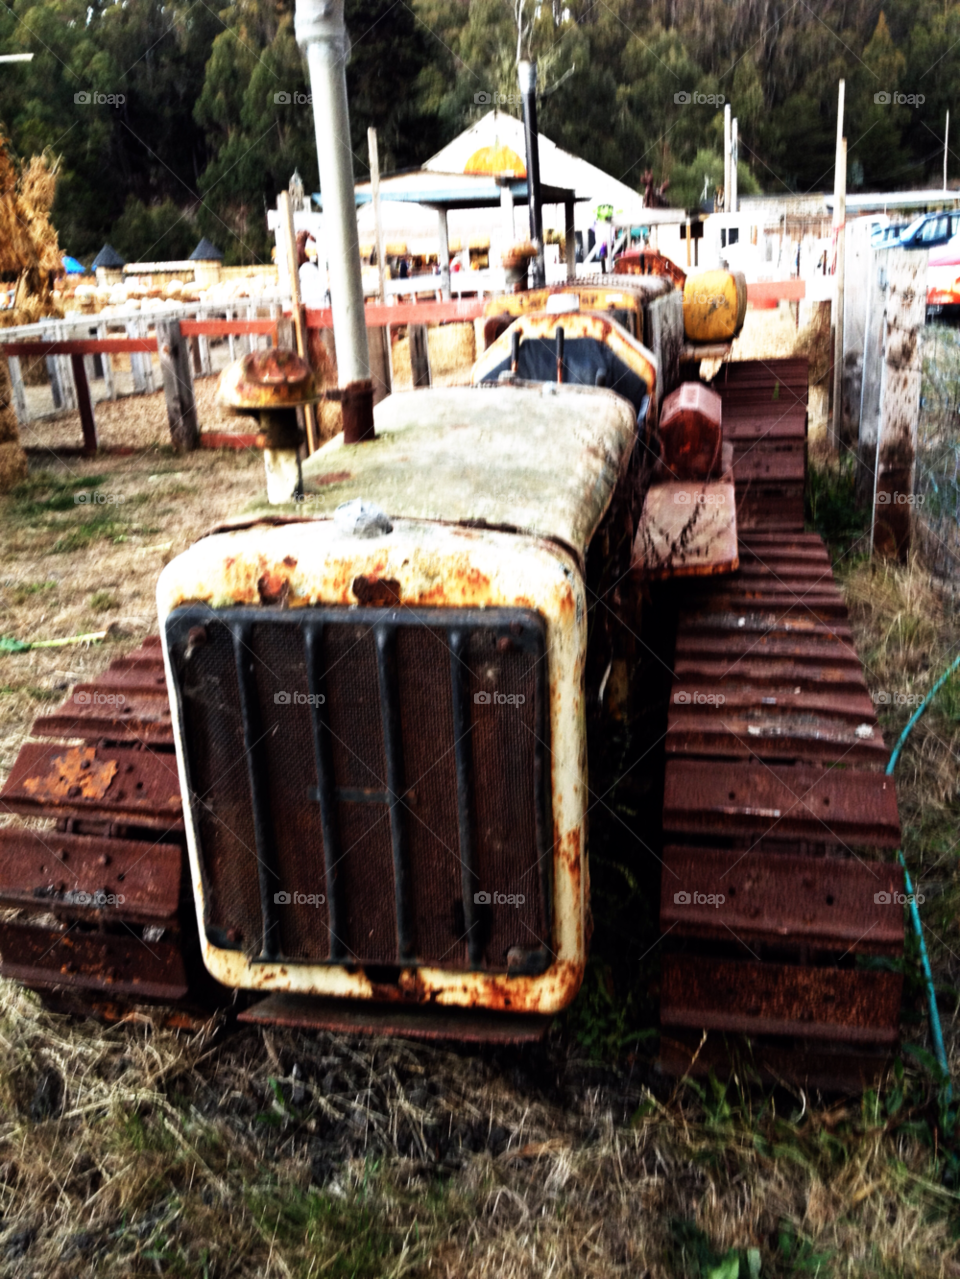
{"x": 765, "y": 418}
{"x": 96, "y": 904}
{"x": 778, "y": 911}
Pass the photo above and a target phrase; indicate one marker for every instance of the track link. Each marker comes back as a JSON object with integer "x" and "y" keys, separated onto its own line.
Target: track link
{"x": 778, "y": 909}
{"x": 98, "y": 912}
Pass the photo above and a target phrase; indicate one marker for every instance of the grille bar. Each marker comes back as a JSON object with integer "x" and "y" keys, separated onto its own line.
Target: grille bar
{"x": 461, "y": 745}
{"x": 393, "y": 748}
{"x": 325, "y": 792}
{"x": 257, "y": 772}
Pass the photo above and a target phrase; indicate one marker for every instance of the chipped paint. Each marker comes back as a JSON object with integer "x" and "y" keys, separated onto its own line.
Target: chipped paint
{"x": 575, "y": 324}
{"x": 418, "y": 564}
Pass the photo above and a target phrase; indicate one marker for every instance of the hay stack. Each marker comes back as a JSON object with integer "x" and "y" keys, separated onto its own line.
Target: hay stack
{"x": 453, "y": 349}
{"x": 13, "y": 460}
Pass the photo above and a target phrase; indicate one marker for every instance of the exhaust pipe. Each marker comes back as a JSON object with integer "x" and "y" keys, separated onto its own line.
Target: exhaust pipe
{"x": 527, "y": 72}
{"x": 322, "y": 34}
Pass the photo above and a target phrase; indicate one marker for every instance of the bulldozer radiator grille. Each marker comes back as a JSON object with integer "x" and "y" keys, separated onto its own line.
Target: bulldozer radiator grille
{"x": 369, "y": 786}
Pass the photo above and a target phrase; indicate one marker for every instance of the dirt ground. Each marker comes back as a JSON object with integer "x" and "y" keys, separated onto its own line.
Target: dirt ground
{"x": 136, "y": 1149}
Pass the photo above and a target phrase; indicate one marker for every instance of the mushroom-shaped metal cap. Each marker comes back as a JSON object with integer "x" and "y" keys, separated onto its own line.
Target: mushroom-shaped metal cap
{"x": 264, "y": 380}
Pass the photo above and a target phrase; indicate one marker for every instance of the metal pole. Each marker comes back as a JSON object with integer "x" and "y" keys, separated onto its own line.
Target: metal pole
{"x": 734, "y": 156}
{"x": 322, "y": 34}
{"x": 946, "y": 145}
{"x": 726, "y": 158}
{"x": 527, "y": 73}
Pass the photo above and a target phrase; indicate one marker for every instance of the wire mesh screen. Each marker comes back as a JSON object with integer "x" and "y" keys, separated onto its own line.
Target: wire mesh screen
{"x": 368, "y": 785}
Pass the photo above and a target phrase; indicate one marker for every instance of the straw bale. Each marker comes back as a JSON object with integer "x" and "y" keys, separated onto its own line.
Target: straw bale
{"x": 13, "y": 466}
{"x": 9, "y": 428}
{"x": 452, "y": 348}
{"x": 402, "y": 368}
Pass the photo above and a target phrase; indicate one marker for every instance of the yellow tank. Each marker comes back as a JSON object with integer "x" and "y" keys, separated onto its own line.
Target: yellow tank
{"x": 714, "y": 305}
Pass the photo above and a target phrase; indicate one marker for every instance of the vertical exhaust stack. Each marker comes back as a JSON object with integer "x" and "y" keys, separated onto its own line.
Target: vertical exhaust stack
{"x": 322, "y": 34}
{"x": 527, "y": 72}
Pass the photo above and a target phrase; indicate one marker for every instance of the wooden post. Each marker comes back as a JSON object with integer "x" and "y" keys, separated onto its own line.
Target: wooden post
{"x": 296, "y": 305}
{"x": 84, "y": 404}
{"x": 444, "y": 255}
{"x": 375, "y": 195}
{"x": 16, "y": 386}
{"x": 858, "y": 257}
{"x": 108, "y": 385}
{"x": 688, "y": 241}
{"x": 176, "y": 368}
{"x": 903, "y": 320}
{"x": 839, "y": 221}
{"x": 726, "y": 158}
{"x": 419, "y": 355}
{"x": 570, "y": 240}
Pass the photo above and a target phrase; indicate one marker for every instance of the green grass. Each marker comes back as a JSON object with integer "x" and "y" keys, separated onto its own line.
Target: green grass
{"x": 103, "y": 602}
{"x": 832, "y": 509}
{"x": 76, "y": 511}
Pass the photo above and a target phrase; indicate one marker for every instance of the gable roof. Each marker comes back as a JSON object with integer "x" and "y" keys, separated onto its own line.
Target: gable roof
{"x": 108, "y": 257}
{"x": 557, "y": 167}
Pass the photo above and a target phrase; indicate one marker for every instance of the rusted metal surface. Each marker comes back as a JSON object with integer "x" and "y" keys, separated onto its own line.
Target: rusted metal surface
{"x": 423, "y": 463}
{"x": 686, "y": 529}
{"x": 357, "y": 402}
{"x": 89, "y": 876}
{"x": 834, "y": 807}
{"x": 105, "y": 712}
{"x": 690, "y": 432}
{"x": 831, "y": 902}
{"x": 765, "y": 673}
{"x": 827, "y": 1066}
{"x": 119, "y": 964}
{"x": 118, "y": 784}
{"x": 765, "y": 418}
{"x": 271, "y": 379}
{"x": 314, "y": 563}
{"x": 649, "y": 262}
{"x": 352, "y": 1018}
{"x": 837, "y": 1004}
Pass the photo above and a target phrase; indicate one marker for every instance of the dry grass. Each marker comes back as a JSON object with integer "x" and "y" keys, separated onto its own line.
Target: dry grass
{"x": 136, "y": 1149}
